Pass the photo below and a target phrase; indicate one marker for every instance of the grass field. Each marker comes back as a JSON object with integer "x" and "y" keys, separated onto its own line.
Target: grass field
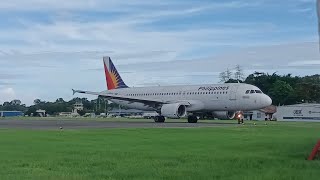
{"x": 273, "y": 151}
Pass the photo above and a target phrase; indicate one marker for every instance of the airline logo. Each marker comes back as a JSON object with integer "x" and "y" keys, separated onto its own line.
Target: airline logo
{"x": 113, "y": 78}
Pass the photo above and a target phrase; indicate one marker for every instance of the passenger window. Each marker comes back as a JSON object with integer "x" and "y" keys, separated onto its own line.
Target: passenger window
{"x": 252, "y": 92}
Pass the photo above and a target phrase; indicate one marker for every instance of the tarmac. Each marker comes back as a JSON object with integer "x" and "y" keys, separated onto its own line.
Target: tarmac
{"x": 94, "y": 124}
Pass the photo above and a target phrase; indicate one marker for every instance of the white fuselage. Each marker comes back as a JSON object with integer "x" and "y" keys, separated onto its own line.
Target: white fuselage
{"x": 212, "y": 97}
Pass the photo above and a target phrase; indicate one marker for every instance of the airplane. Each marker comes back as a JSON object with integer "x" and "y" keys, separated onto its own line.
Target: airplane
{"x": 222, "y": 100}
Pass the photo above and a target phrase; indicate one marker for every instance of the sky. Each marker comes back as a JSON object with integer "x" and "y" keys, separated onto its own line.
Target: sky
{"x": 48, "y": 47}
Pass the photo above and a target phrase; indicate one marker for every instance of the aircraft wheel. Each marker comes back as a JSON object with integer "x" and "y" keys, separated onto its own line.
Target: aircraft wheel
{"x": 156, "y": 119}
{"x": 159, "y": 119}
{"x": 192, "y": 119}
{"x": 162, "y": 118}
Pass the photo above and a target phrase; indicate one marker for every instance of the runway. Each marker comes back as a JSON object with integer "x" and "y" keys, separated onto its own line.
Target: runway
{"x": 84, "y": 124}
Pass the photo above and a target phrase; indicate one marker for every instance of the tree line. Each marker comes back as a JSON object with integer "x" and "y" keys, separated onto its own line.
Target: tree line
{"x": 283, "y": 89}
{"x": 97, "y": 106}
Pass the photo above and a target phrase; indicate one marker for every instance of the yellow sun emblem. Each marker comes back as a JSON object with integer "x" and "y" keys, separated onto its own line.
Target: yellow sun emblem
{"x": 115, "y": 78}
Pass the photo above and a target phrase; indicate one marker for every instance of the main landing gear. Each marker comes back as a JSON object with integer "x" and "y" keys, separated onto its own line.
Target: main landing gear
{"x": 159, "y": 119}
{"x": 192, "y": 119}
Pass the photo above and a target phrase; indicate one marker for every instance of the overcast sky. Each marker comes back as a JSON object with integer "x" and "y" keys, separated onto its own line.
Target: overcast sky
{"x": 48, "y": 47}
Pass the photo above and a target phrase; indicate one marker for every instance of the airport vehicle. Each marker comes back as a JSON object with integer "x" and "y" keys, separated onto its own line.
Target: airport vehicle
{"x": 223, "y": 100}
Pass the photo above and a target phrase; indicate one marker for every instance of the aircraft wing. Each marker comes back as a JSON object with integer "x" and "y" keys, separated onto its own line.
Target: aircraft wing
{"x": 152, "y": 102}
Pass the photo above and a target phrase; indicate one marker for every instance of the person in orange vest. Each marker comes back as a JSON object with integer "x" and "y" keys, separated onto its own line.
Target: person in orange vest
{"x": 240, "y": 118}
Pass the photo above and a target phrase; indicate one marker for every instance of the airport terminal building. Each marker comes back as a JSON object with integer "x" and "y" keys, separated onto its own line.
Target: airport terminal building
{"x": 10, "y": 113}
{"x": 298, "y": 112}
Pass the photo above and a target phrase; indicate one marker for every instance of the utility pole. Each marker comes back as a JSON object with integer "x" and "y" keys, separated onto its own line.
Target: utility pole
{"x": 318, "y": 12}
{"x": 105, "y": 106}
{"x": 96, "y": 105}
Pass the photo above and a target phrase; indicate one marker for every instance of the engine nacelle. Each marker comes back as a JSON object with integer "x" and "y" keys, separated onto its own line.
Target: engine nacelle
{"x": 175, "y": 110}
{"x": 224, "y": 114}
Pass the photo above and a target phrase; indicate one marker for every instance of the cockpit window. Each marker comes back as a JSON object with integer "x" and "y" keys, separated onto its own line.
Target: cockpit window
{"x": 248, "y": 91}
{"x": 258, "y": 91}
{"x": 252, "y": 91}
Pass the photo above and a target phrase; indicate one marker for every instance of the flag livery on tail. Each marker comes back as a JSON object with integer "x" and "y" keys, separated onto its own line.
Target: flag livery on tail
{"x": 113, "y": 78}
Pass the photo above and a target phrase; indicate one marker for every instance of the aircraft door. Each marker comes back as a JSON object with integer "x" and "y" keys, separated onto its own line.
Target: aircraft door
{"x": 233, "y": 92}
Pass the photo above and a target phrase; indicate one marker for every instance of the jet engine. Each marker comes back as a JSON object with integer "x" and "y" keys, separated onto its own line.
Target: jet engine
{"x": 175, "y": 110}
{"x": 224, "y": 114}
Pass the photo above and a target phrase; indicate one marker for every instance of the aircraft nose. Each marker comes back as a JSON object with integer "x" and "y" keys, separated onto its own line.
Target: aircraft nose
{"x": 266, "y": 100}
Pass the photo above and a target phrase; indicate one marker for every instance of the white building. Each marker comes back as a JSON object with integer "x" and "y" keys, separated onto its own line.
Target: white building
{"x": 261, "y": 114}
{"x": 77, "y": 107}
{"x": 41, "y": 113}
{"x": 298, "y": 112}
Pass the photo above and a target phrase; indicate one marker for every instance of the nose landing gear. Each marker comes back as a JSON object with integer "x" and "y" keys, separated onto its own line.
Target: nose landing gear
{"x": 239, "y": 117}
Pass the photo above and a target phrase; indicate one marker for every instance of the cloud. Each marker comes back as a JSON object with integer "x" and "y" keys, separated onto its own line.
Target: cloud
{"x": 5, "y": 83}
{"x": 7, "y": 94}
{"x": 59, "y": 44}
{"x": 285, "y": 58}
{"x": 9, "y": 76}
{"x": 55, "y": 46}
{"x": 305, "y": 63}
{"x": 111, "y": 5}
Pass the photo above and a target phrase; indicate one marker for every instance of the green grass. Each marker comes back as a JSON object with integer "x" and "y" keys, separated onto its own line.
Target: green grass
{"x": 273, "y": 151}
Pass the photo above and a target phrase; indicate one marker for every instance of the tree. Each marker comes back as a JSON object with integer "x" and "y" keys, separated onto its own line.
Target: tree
{"x": 15, "y": 102}
{"x": 308, "y": 92}
{"x": 60, "y": 100}
{"x": 228, "y": 74}
{"x": 37, "y": 101}
{"x": 238, "y": 75}
{"x": 6, "y": 103}
{"x": 81, "y": 112}
{"x": 280, "y": 92}
{"x": 225, "y": 76}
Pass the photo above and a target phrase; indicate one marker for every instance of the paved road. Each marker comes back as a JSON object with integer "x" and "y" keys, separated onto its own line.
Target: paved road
{"x": 83, "y": 124}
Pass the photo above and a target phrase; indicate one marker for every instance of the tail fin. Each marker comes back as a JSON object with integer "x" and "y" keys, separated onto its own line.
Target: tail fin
{"x": 113, "y": 78}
